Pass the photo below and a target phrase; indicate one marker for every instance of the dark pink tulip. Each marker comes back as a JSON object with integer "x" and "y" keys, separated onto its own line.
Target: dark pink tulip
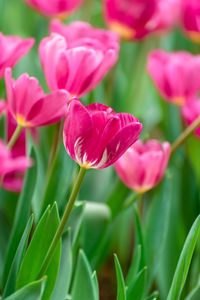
{"x": 28, "y": 104}
{"x": 12, "y": 48}
{"x": 59, "y": 8}
{"x": 134, "y": 19}
{"x": 190, "y": 112}
{"x": 143, "y": 165}
{"x": 78, "y": 65}
{"x": 95, "y": 136}
{"x": 175, "y": 74}
{"x": 12, "y": 168}
{"x": 190, "y": 19}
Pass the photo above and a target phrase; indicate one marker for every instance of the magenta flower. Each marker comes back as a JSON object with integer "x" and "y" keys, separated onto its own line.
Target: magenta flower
{"x": 12, "y": 168}
{"x": 143, "y": 165}
{"x": 175, "y": 74}
{"x": 95, "y": 136}
{"x": 78, "y": 65}
{"x": 134, "y": 19}
{"x": 12, "y": 48}
{"x": 59, "y": 8}
{"x": 190, "y": 19}
{"x": 190, "y": 112}
{"x": 28, "y": 104}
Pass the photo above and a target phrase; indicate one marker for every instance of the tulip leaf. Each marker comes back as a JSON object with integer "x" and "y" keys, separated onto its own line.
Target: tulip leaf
{"x": 136, "y": 288}
{"x": 153, "y": 296}
{"x": 139, "y": 237}
{"x": 21, "y": 216}
{"x": 193, "y": 146}
{"x": 65, "y": 271}
{"x": 37, "y": 250}
{"x": 84, "y": 286}
{"x": 194, "y": 293}
{"x": 184, "y": 262}
{"x": 32, "y": 291}
{"x": 134, "y": 265}
{"x": 12, "y": 276}
{"x": 121, "y": 288}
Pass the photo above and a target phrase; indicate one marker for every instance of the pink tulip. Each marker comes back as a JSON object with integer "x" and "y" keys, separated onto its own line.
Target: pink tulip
{"x": 190, "y": 112}
{"x": 12, "y": 48}
{"x": 59, "y": 8}
{"x": 12, "y": 168}
{"x": 2, "y": 106}
{"x": 143, "y": 165}
{"x": 175, "y": 74}
{"x": 78, "y": 65}
{"x": 134, "y": 19}
{"x": 95, "y": 136}
{"x": 28, "y": 104}
{"x": 190, "y": 19}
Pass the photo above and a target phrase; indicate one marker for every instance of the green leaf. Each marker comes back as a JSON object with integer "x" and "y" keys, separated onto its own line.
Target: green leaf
{"x": 121, "y": 289}
{"x": 12, "y": 276}
{"x": 65, "y": 272}
{"x": 21, "y": 216}
{"x": 195, "y": 292}
{"x": 32, "y": 291}
{"x": 4, "y": 233}
{"x": 184, "y": 262}
{"x": 193, "y": 145}
{"x": 83, "y": 286}
{"x": 75, "y": 221}
{"x": 139, "y": 237}
{"x": 136, "y": 288}
{"x": 134, "y": 265}
{"x": 37, "y": 250}
{"x": 153, "y": 296}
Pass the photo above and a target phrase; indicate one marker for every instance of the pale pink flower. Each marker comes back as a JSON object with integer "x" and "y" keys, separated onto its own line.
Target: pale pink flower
{"x": 78, "y": 65}
{"x": 143, "y": 165}
{"x": 12, "y": 48}
{"x": 28, "y": 104}
{"x": 95, "y": 136}
{"x": 175, "y": 74}
{"x": 59, "y": 8}
{"x": 190, "y": 112}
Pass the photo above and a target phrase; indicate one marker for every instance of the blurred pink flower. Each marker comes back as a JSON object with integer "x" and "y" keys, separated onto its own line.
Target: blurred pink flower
{"x": 12, "y": 168}
{"x": 59, "y": 8}
{"x": 95, "y": 136}
{"x": 175, "y": 74}
{"x": 12, "y": 48}
{"x": 143, "y": 165}
{"x": 28, "y": 104}
{"x": 190, "y": 112}
{"x": 134, "y": 19}
{"x": 76, "y": 65}
{"x": 191, "y": 19}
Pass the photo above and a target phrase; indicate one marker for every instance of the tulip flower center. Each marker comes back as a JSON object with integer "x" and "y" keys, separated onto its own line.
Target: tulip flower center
{"x": 194, "y": 36}
{"x": 22, "y": 121}
{"x": 179, "y": 101}
{"x": 124, "y": 31}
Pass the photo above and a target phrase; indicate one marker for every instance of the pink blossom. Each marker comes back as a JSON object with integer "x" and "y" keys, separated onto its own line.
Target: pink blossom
{"x": 143, "y": 165}
{"x": 57, "y": 8}
{"x": 95, "y": 136}
{"x": 190, "y": 112}
{"x": 12, "y": 168}
{"x": 28, "y": 104}
{"x": 175, "y": 74}
{"x": 134, "y": 19}
{"x": 77, "y": 65}
{"x": 12, "y": 48}
{"x": 191, "y": 19}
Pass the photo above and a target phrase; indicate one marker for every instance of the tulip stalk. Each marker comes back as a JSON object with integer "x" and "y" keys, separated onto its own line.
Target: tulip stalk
{"x": 15, "y": 136}
{"x": 185, "y": 134}
{"x": 63, "y": 221}
{"x": 130, "y": 200}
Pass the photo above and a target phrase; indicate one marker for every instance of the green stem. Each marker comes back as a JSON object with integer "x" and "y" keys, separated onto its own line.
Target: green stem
{"x": 63, "y": 222}
{"x": 130, "y": 200}
{"x": 185, "y": 134}
{"x": 15, "y": 136}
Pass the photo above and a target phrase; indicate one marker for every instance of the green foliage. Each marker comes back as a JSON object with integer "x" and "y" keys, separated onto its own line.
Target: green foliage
{"x": 121, "y": 288}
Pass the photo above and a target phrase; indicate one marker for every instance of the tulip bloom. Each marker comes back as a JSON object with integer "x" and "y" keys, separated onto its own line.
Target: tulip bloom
{"x": 175, "y": 74}
{"x": 28, "y": 104}
{"x": 190, "y": 19}
{"x": 95, "y": 136}
{"x": 143, "y": 165}
{"x": 52, "y": 8}
{"x": 76, "y": 66}
{"x": 190, "y": 112}
{"x": 134, "y": 19}
{"x": 12, "y": 168}
{"x": 12, "y": 48}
